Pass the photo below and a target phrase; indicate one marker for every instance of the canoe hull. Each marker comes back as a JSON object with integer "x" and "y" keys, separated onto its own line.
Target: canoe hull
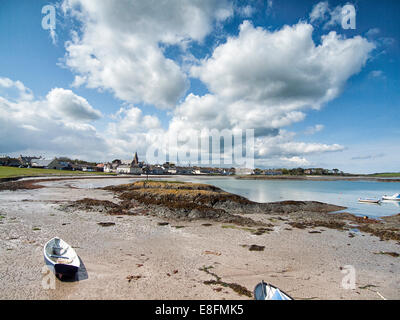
{"x": 65, "y": 270}
{"x": 395, "y": 197}
{"x": 61, "y": 269}
{"x": 390, "y": 198}
{"x": 266, "y": 291}
{"x": 369, "y": 200}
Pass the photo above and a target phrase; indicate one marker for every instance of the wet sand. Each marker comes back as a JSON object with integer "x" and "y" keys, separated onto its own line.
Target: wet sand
{"x": 165, "y": 261}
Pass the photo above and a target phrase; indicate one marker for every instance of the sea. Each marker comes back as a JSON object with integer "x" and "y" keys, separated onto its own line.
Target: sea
{"x": 339, "y": 192}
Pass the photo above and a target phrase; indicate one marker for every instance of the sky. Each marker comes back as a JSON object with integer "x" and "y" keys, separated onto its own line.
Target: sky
{"x": 110, "y": 78}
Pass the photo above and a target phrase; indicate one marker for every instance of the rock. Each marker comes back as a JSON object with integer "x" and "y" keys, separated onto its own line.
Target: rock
{"x": 255, "y": 247}
{"x": 106, "y": 224}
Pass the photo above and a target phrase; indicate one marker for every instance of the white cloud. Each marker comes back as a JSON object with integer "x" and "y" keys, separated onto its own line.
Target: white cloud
{"x": 376, "y": 74}
{"x": 118, "y": 48}
{"x": 335, "y": 17}
{"x": 319, "y": 11}
{"x": 282, "y": 145}
{"x": 267, "y": 80}
{"x": 65, "y": 104}
{"x": 314, "y": 129}
{"x": 284, "y": 69}
{"x": 48, "y": 126}
{"x": 21, "y": 92}
{"x": 245, "y": 11}
{"x": 263, "y": 79}
{"x": 259, "y": 79}
{"x": 296, "y": 161}
{"x": 372, "y": 32}
{"x": 322, "y": 13}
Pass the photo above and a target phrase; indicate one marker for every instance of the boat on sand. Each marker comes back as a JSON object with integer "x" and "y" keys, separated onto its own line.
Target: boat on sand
{"x": 61, "y": 258}
{"x": 266, "y": 291}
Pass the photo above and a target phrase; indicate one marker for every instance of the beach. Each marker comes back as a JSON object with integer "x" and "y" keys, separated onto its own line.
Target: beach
{"x": 145, "y": 256}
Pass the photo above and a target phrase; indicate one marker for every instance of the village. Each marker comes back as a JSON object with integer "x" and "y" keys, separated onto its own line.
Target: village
{"x": 136, "y": 167}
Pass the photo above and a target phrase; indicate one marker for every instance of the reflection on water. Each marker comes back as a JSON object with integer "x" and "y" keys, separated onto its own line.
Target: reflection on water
{"x": 343, "y": 193}
{"x": 395, "y": 203}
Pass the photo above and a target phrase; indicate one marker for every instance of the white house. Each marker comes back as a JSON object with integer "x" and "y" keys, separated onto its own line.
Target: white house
{"x": 127, "y": 169}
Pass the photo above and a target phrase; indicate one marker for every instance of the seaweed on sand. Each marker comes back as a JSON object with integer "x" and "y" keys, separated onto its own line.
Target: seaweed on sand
{"x": 218, "y": 281}
{"x": 392, "y": 254}
{"x": 93, "y": 204}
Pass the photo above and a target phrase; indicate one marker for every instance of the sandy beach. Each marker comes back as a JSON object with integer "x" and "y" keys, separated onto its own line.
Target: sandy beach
{"x": 140, "y": 257}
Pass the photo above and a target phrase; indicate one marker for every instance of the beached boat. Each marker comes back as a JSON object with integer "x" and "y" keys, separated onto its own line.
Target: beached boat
{"x": 395, "y": 197}
{"x": 369, "y": 200}
{"x": 265, "y": 291}
{"x": 61, "y": 258}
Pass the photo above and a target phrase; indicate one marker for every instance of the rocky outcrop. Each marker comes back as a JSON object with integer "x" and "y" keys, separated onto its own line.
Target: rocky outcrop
{"x": 200, "y": 201}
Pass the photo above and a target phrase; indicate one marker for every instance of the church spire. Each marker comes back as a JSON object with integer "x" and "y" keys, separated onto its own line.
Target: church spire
{"x": 135, "y": 159}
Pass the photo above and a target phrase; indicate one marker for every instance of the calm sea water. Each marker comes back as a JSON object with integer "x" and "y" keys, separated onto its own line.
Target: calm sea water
{"x": 343, "y": 193}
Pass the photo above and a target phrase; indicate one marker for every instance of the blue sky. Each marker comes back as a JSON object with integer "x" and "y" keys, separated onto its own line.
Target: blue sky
{"x": 356, "y": 130}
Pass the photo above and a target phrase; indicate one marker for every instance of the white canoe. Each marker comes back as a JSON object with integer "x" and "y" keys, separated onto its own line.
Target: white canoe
{"x": 265, "y": 291}
{"x": 61, "y": 258}
{"x": 395, "y": 197}
{"x": 369, "y": 200}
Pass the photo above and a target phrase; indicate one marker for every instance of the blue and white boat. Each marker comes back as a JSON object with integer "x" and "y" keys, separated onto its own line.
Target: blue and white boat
{"x": 265, "y": 291}
{"x": 395, "y": 197}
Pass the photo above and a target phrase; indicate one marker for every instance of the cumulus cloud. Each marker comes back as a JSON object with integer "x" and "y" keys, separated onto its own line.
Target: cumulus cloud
{"x": 284, "y": 69}
{"x": 262, "y": 80}
{"x": 57, "y": 125}
{"x": 7, "y": 86}
{"x": 267, "y": 80}
{"x": 127, "y": 58}
{"x": 132, "y": 131}
{"x": 282, "y": 145}
{"x": 65, "y": 104}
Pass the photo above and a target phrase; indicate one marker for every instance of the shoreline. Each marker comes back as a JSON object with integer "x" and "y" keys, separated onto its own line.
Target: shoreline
{"x": 145, "y": 253}
{"x": 321, "y": 178}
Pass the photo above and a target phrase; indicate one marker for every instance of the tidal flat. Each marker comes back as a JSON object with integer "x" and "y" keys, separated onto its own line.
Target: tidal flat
{"x": 158, "y": 240}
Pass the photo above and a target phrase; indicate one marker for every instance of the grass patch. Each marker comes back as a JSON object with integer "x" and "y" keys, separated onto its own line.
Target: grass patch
{"x": 164, "y": 181}
{"x": 238, "y": 228}
{"x": 386, "y": 174}
{"x": 257, "y": 232}
{"x": 11, "y": 172}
